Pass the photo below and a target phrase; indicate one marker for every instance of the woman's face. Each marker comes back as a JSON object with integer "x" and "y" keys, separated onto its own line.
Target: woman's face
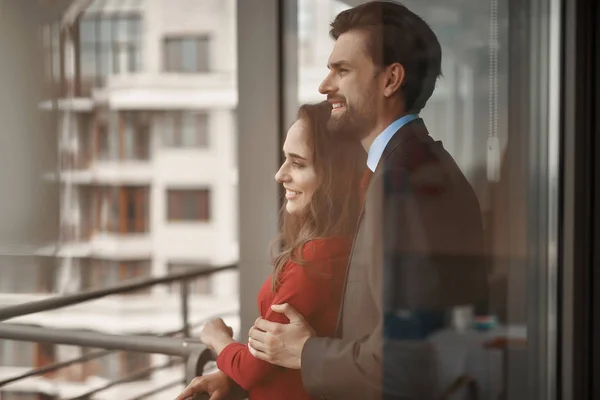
{"x": 297, "y": 173}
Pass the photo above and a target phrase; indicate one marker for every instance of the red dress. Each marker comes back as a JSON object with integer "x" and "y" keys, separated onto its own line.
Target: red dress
{"x": 315, "y": 291}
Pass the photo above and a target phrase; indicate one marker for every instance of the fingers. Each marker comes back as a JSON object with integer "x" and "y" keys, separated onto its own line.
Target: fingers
{"x": 218, "y": 395}
{"x": 266, "y": 326}
{"x": 197, "y": 385}
{"x": 256, "y": 345}
{"x": 257, "y": 334}
{"x": 259, "y": 354}
{"x": 288, "y": 311}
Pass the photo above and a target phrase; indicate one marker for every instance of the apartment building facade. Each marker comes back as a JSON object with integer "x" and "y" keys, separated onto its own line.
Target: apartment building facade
{"x": 146, "y": 95}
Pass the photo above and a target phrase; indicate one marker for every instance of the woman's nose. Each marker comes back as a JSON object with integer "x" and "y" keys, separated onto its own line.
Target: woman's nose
{"x": 281, "y": 176}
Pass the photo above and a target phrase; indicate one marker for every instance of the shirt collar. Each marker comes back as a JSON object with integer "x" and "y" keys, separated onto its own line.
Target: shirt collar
{"x": 381, "y": 141}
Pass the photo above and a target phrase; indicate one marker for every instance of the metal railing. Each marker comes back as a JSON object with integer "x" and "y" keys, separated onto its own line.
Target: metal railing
{"x": 193, "y": 353}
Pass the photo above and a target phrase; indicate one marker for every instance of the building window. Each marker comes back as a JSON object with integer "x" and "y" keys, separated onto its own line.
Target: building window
{"x": 108, "y": 367}
{"x": 15, "y": 353}
{"x": 123, "y": 136}
{"x": 106, "y": 273}
{"x": 187, "y": 54}
{"x": 122, "y": 364}
{"x": 109, "y": 44}
{"x": 185, "y": 129}
{"x": 122, "y": 209}
{"x": 136, "y": 137}
{"x": 188, "y": 205}
{"x": 45, "y": 355}
{"x": 134, "y": 363}
{"x": 200, "y": 285}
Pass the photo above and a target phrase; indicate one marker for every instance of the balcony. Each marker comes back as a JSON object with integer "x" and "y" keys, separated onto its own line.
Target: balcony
{"x": 181, "y": 349}
{"x": 169, "y": 91}
{"x": 125, "y": 314}
{"x": 111, "y": 173}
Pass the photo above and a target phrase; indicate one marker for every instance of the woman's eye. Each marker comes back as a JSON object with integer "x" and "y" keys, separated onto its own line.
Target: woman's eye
{"x": 297, "y": 164}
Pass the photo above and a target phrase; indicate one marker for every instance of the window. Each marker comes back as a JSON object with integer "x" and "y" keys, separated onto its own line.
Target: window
{"x": 124, "y": 136}
{"x": 122, "y": 210}
{"x": 76, "y": 372}
{"x": 187, "y": 54}
{"x": 188, "y": 205}
{"x": 122, "y": 364}
{"x": 45, "y": 354}
{"x": 134, "y": 202}
{"x": 185, "y": 129}
{"x": 15, "y": 353}
{"x": 104, "y": 273}
{"x": 133, "y": 363}
{"x": 47, "y": 275}
{"x": 108, "y": 45}
{"x": 200, "y": 285}
{"x": 108, "y": 366}
{"x": 136, "y": 143}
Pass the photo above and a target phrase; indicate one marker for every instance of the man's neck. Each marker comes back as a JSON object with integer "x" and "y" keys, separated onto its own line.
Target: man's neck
{"x": 378, "y": 128}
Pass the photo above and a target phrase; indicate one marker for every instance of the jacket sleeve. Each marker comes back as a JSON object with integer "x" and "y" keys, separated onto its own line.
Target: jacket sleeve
{"x": 300, "y": 288}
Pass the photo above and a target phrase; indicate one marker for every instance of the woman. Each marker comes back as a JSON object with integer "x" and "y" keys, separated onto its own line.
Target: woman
{"x": 320, "y": 176}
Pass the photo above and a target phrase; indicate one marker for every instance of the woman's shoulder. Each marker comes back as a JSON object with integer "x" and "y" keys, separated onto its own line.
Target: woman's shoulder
{"x": 326, "y": 248}
{"x": 321, "y": 260}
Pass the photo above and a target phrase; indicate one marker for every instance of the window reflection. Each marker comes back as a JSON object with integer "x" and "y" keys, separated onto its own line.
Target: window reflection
{"x": 490, "y": 139}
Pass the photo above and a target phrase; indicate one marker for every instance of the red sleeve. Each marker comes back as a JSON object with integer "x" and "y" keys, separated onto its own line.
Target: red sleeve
{"x": 303, "y": 288}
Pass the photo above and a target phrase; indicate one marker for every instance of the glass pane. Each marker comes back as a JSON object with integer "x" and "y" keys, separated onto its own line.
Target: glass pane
{"x": 105, "y": 35}
{"x": 88, "y": 61}
{"x": 501, "y": 147}
{"x": 129, "y": 136}
{"x": 105, "y": 61}
{"x": 189, "y": 129}
{"x": 204, "y": 54}
{"x": 134, "y": 29}
{"x": 189, "y": 54}
{"x": 113, "y": 136}
{"x": 87, "y": 31}
{"x": 121, "y": 30}
{"x": 169, "y": 129}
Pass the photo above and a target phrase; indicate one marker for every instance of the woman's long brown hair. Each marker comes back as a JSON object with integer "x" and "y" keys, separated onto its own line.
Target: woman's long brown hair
{"x": 335, "y": 205}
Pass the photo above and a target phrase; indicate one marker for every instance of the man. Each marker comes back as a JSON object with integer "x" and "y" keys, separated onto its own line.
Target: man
{"x": 419, "y": 247}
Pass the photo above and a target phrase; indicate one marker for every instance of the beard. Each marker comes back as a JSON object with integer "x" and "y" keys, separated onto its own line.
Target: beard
{"x": 350, "y": 125}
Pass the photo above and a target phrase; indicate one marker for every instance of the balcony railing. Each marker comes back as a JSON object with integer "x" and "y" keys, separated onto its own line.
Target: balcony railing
{"x": 191, "y": 352}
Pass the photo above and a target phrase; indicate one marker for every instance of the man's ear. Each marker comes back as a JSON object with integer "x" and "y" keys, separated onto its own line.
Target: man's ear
{"x": 394, "y": 79}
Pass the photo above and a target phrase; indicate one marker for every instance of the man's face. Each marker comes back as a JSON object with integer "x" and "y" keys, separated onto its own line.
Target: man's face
{"x": 352, "y": 86}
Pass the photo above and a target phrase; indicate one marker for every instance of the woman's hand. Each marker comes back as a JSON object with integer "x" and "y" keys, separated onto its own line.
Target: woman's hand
{"x": 216, "y": 335}
{"x": 218, "y": 385}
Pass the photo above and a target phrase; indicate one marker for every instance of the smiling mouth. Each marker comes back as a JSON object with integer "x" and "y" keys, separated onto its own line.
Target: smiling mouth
{"x": 291, "y": 194}
{"x": 337, "y": 106}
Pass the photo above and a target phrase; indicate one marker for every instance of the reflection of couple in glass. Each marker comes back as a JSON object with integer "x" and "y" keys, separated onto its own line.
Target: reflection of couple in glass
{"x": 368, "y": 267}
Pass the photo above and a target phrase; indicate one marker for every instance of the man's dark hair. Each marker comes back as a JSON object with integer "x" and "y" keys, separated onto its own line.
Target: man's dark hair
{"x": 397, "y": 35}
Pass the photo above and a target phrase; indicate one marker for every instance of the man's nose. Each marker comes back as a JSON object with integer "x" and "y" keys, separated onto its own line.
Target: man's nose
{"x": 326, "y": 86}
